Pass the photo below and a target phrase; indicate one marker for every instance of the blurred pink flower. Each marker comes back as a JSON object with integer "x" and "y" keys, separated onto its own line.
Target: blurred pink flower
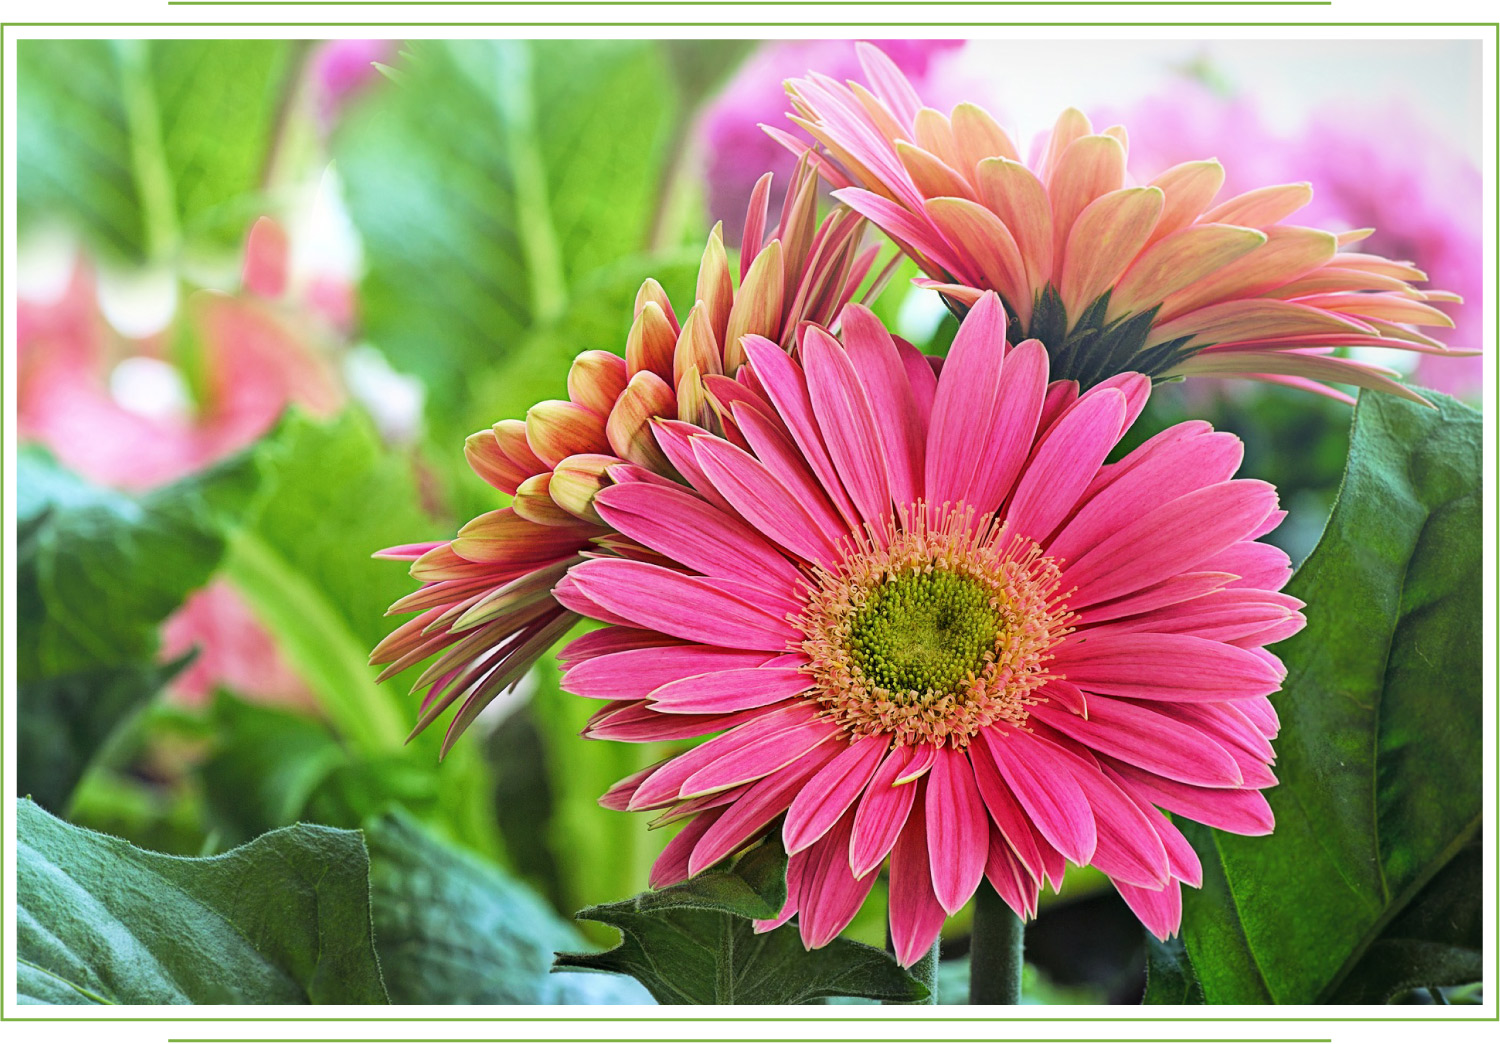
{"x": 341, "y": 69}
{"x": 740, "y": 152}
{"x": 121, "y": 411}
{"x": 1377, "y": 166}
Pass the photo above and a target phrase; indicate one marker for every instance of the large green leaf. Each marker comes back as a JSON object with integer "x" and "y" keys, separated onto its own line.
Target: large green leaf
{"x": 147, "y": 145}
{"x": 96, "y": 573}
{"x": 282, "y": 920}
{"x": 452, "y": 928}
{"x": 1380, "y": 747}
{"x": 333, "y": 495}
{"x": 695, "y": 943}
{"x": 489, "y": 184}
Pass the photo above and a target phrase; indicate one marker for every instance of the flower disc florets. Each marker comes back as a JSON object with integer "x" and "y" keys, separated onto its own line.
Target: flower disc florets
{"x": 929, "y": 631}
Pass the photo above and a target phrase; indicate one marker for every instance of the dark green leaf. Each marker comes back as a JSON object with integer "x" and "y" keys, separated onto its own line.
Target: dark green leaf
{"x": 695, "y": 943}
{"x": 147, "y": 145}
{"x": 282, "y": 920}
{"x": 1170, "y": 978}
{"x": 97, "y": 572}
{"x": 454, "y": 929}
{"x": 1381, "y": 738}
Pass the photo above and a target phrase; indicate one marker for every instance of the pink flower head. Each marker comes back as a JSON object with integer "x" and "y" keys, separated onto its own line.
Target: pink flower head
{"x": 1112, "y": 278}
{"x": 925, "y": 622}
{"x": 486, "y": 603}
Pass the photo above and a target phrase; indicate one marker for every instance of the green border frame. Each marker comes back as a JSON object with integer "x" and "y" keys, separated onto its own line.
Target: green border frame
{"x": 891, "y": 1016}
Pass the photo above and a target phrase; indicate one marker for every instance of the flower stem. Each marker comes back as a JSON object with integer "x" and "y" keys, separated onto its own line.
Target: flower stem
{"x": 995, "y": 959}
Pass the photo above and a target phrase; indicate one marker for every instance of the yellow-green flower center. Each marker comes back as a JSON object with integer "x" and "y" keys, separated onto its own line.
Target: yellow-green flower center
{"x": 933, "y": 626}
{"x": 924, "y": 631}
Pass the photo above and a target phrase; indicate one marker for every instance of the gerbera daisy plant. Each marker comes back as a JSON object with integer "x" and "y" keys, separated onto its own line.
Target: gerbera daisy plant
{"x": 1162, "y": 279}
{"x": 927, "y": 625}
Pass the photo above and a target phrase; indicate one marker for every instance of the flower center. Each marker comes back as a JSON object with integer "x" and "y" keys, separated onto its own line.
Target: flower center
{"x": 925, "y": 630}
{"x": 931, "y": 629}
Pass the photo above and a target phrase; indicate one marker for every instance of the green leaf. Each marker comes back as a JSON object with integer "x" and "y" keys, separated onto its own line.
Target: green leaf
{"x": 282, "y": 920}
{"x": 1170, "y": 978}
{"x": 695, "y": 943}
{"x": 97, "y": 571}
{"x": 452, "y": 928}
{"x": 488, "y": 186}
{"x": 334, "y": 495}
{"x": 1380, "y": 748}
{"x": 147, "y": 145}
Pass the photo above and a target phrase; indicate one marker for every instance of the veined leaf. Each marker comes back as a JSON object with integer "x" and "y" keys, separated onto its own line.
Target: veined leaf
{"x": 695, "y": 943}
{"x": 490, "y": 183}
{"x": 1380, "y": 747}
{"x": 282, "y": 920}
{"x": 146, "y": 145}
{"x": 452, "y": 928}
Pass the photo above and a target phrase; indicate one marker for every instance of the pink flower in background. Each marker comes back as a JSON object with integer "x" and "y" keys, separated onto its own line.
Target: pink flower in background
{"x": 740, "y": 152}
{"x": 1375, "y": 164}
{"x": 341, "y": 69}
{"x": 928, "y": 623}
{"x": 122, "y": 412}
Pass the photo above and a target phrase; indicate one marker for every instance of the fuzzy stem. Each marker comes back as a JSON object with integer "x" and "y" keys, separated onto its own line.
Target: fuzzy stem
{"x": 995, "y": 958}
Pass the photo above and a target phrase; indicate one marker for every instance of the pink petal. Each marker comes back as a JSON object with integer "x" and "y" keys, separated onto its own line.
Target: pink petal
{"x": 691, "y": 607}
{"x": 1023, "y": 386}
{"x": 964, "y": 409}
{"x": 774, "y": 448}
{"x": 882, "y": 811}
{"x": 752, "y": 760}
{"x": 666, "y": 783}
{"x": 1009, "y": 878}
{"x": 923, "y": 381}
{"x": 1164, "y": 473}
{"x": 847, "y": 423}
{"x": 1163, "y": 667}
{"x": 1040, "y": 775}
{"x": 632, "y": 674}
{"x": 764, "y": 500}
{"x": 828, "y": 894}
{"x": 1172, "y": 591}
{"x": 675, "y": 439}
{"x": 1175, "y": 537}
{"x": 671, "y": 866}
{"x": 1160, "y": 911}
{"x": 899, "y": 425}
{"x": 638, "y": 723}
{"x": 1147, "y": 738}
{"x": 1264, "y": 567}
{"x": 723, "y": 692}
{"x": 1129, "y": 849}
{"x": 786, "y": 386}
{"x": 607, "y": 640}
{"x": 830, "y": 793}
{"x": 673, "y": 521}
{"x": 1064, "y": 465}
{"x": 1009, "y": 819}
{"x": 1238, "y": 811}
{"x": 916, "y": 916}
{"x": 957, "y": 830}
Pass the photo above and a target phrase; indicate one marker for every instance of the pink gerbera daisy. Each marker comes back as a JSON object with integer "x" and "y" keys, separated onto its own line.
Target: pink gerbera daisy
{"x": 1112, "y": 277}
{"x": 928, "y": 623}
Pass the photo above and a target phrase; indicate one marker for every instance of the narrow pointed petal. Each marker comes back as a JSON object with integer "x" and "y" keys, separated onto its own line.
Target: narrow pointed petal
{"x": 632, "y": 674}
{"x": 878, "y": 363}
{"x": 957, "y": 830}
{"x": 847, "y": 423}
{"x": 916, "y": 916}
{"x": 828, "y": 894}
{"x": 1065, "y": 463}
{"x": 1041, "y": 776}
{"x": 832, "y": 792}
{"x": 724, "y": 692}
{"x": 1149, "y": 739}
{"x": 883, "y": 810}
